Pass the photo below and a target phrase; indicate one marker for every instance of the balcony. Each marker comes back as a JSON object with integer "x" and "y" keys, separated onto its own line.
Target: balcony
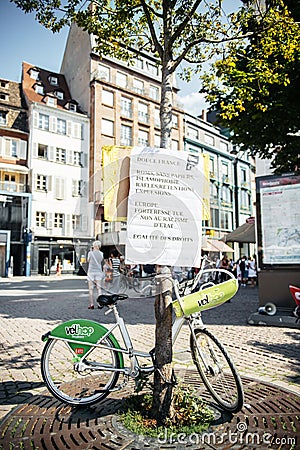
{"x": 9, "y": 186}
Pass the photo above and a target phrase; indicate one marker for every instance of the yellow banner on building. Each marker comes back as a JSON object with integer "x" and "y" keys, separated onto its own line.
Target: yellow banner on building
{"x": 115, "y": 167}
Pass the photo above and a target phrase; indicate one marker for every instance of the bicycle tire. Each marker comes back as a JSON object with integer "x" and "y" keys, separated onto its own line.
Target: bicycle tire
{"x": 72, "y": 387}
{"x": 136, "y": 284}
{"x": 222, "y": 379}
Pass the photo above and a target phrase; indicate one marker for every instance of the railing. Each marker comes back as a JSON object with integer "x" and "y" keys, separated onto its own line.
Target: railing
{"x": 12, "y": 187}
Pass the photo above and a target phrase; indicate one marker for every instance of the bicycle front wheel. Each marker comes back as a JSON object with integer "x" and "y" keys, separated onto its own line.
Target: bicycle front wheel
{"x": 123, "y": 284}
{"x": 217, "y": 370}
{"x": 79, "y": 385}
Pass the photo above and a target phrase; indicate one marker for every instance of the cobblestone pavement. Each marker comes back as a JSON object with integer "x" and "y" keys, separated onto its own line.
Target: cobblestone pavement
{"x": 32, "y": 306}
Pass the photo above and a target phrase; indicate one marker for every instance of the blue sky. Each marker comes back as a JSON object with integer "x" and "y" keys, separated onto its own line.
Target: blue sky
{"x": 24, "y": 39}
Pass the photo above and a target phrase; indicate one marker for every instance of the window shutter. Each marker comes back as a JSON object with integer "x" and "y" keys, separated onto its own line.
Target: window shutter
{"x": 34, "y": 179}
{"x": 23, "y": 150}
{"x": 69, "y": 128}
{"x": 84, "y": 223}
{"x": 51, "y": 155}
{"x": 35, "y": 150}
{"x": 35, "y": 119}
{"x": 83, "y": 159}
{"x": 69, "y": 156}
{"x": 7, "y": 147}
{"x": 49, "y": 183}
{"x": 50, "y": 220}
{"x": 68, "y": 225}
{"x": 52, "y": 125}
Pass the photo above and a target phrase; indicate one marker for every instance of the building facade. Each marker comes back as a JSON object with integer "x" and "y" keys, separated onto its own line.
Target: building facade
{"x": 123, "y": 103}
{"x": 15, "y": 198}
{"x": 61, "y": 217}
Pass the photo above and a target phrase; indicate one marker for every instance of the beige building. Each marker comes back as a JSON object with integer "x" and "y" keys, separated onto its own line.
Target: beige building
{"x": 122, "y": 101}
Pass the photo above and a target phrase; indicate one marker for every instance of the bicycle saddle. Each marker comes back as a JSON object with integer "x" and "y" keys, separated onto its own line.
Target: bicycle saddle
{"x": 107, "y": 300}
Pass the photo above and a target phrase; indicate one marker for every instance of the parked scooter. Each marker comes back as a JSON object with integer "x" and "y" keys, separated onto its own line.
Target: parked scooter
{"x": 295, "y": 291}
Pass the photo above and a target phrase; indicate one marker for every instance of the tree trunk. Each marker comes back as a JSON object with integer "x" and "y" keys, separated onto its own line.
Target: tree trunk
{"x": 162, "y": 392}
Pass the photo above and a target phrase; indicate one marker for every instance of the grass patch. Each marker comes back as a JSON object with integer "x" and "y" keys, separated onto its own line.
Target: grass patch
{"x": 190, "y": 414}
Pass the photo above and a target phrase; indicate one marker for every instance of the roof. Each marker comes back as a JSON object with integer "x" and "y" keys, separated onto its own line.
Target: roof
{"x": 50, "y": 89}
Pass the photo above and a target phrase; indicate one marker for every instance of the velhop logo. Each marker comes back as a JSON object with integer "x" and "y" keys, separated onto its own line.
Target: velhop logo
{"x": 78, "y": 331}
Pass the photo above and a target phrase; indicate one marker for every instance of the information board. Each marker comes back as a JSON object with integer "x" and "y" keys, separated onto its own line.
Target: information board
{"x": 279, "y": 199}
{"x": 164, "y": 221}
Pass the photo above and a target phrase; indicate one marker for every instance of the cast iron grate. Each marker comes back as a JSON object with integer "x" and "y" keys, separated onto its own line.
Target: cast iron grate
{"x": 269, "y": 420}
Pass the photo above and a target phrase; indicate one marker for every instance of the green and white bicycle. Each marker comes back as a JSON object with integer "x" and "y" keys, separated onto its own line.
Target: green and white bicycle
{"x": 82, "y": 360}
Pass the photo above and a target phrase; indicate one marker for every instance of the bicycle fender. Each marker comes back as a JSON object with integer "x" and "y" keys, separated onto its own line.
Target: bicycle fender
{"x": 84, "y": 332}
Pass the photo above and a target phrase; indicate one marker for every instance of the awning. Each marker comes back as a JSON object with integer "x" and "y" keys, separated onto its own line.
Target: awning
{"x": 13, "y": 168}
{"x": 244, "y": 234}
{"x": 213, "y": 245}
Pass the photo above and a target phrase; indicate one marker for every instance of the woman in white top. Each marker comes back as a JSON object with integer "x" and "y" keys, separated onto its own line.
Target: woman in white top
{"x": 95, "y": 271}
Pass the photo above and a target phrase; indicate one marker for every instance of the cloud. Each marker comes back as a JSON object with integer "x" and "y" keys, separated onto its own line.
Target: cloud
{"x": 193, "y": 103}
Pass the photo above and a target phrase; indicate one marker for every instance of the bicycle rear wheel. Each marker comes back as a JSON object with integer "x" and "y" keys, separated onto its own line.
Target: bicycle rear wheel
{"x": 123, "y": 284}
{"x": 75, "y": 387}
{"x": 219, "y": 375}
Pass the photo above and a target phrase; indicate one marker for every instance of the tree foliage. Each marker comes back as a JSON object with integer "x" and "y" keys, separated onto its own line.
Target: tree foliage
{"x": 255, "y": 86}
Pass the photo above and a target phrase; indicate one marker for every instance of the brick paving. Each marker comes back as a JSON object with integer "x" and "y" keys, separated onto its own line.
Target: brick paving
{"x": 32, "y": 306}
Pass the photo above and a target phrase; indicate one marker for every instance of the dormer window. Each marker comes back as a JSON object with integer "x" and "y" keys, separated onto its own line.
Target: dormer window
{"x": 53, "y": 80}
{"x": 3, "y": 84}
{"x": 39, "y": 89}
{"x": 59, "y": 95}
{"x": 72, "y": 107}
{"x": 51, "y": 101}
{"x": 34, "y": 73}
{"x": 3, "y": 115}
{"x": 3, "y": 96}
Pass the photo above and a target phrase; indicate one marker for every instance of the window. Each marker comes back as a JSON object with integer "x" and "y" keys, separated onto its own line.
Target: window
{"x": 44, "y": 121}
{"x": 3, "y": 117}
{"x": 58, "y": 220}
{"x": 34, "y": 74}
{"x": 61, "y": 126}
{"x": 154, "y": 92}
{"x": 175, "y": 120}
{"x": 107, "y": 127}
{"x": 243, "y": 176}
{"x": 126, "y": 107}
{"x": 40, "y": 219}
{"x": 138, "y": 86}
{"x": 126, "y": 135}
{"x": 214, "y": 217}
{"x": 174, "y": 145}
{"x": 226, "y": 220}
{"x": 212, "y": 170}
{"x": 53, "y": 80}
{"x": 77, "y": 158}
{"x": 59, "y": 95}
{"x": 39, "y": 89}
{"x": 224, "y": 146}
{"x": 157, "y": 141}
{"x": 76, "y": 188}
{"x": 139, "y": 63}
{"x": 103, "y": 72}
{"x": 192, "y": 133}
{"x": 107, "y": 97}
{"x": 76, "y": 222}
{"x": 152, "y": 68}
{"x": 143, "y": 138}
{"x": 208, "y": 139}
{"x": 42, "y": 151}
{"x": 3, "y": 84}
{"x": 214, "y": 191}
{"x": 121, "y": 80}
{"x": 41, "y": 183}
{"x": 72, "y": 107}
{"x": 60, "y": 155}
{"x": 14, "y": 149}
{"x": 143, "y": 112}
{"x": 10, "y": 182}
{"x": 245, "y": 199}
{"x": 225, "y": 172}
{"x": 3, "y": 96}
{"x": 156, "y": 118}
{"x": 51, "y": 101}
{"x": 226, "y": 195}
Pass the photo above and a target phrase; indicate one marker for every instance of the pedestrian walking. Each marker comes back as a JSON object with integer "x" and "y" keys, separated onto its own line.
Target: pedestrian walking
{"x": 244, "y": 266}
{"x": 115, "y": 265}
{"x": 252, "y": 272}
{"x": 95, "y": 273}
{"x": 224, "y": 264}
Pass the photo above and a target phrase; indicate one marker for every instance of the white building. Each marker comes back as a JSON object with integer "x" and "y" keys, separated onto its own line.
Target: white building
{"x": 58, "y": 161}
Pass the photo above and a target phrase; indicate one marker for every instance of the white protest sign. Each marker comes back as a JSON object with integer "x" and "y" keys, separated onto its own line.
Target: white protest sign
{"x": 164, "y": 221}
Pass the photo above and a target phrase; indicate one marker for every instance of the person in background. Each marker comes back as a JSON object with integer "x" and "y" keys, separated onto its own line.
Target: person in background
{"x": 115, "y": 264}
{"x": 95, "y": 273}
{"x": 252, "y": 272}
{"x": 224, "y": 264}
{"x": 243, "y": 263}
